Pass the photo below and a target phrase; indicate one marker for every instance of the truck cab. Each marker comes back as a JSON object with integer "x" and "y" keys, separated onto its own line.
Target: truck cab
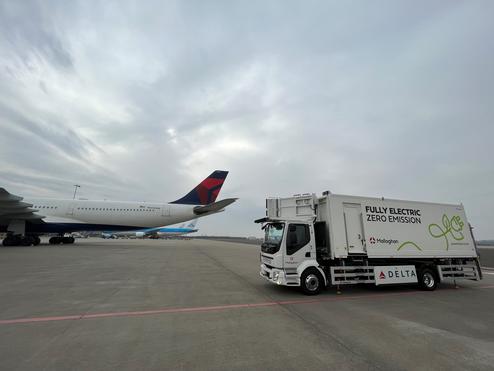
{"x": 288, "y": 251}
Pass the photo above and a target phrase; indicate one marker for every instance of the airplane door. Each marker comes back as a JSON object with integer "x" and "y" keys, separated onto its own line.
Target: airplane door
{"x": 354, "y": 230}
{"x": 70, "y": 210}
{"x": 165, "y": 210}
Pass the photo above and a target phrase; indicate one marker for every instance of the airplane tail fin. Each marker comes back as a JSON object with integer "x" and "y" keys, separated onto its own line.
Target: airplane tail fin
{"x": 206, "y": 192}
{"x": 192, "y": 224}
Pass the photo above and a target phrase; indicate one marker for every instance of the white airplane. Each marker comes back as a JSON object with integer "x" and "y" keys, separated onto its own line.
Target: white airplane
{"x": 159, "y": 232}
{"x": 24, "y": 220}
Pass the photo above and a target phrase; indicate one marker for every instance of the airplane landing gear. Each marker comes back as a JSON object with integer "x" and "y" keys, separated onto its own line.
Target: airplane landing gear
{"x": 18, "y": 240}
{"x": 58, "y": 240}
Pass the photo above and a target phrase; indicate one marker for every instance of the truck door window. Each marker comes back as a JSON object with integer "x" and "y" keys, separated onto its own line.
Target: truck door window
{"x": 298, "y": 236}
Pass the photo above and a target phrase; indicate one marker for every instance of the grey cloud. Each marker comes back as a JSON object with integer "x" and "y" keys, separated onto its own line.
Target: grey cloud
{"x": 53, "y": 133}
{"x": 26, "y": 27}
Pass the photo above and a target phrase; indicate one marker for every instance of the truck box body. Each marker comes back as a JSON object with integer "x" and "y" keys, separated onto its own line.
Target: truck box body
{"x": 394, "y": 229}
{"x": 350, "y": 234}
{"x": 382, "y": 228}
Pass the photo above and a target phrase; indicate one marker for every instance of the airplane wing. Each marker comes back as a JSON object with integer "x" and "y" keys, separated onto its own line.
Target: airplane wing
{"x": 214, "y": 207}
{"x": 12, "y": 208}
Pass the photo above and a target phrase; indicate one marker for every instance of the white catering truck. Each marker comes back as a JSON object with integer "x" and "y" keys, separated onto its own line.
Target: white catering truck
{"x": 314, "y": 242}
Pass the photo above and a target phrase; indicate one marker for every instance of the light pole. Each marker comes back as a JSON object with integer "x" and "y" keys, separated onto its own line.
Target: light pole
{"x": 75, "y": 189}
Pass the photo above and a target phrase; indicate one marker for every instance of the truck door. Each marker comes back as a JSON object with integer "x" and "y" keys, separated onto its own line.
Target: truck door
{"x": 300, "y": 245}
{"x": 355, "y": 240}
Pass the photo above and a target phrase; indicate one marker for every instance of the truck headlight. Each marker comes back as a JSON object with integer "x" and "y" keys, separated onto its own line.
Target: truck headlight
{"x": 277, "y": 277}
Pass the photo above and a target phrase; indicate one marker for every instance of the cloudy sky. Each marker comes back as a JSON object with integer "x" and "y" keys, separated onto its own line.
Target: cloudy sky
{"x": 141, "y": 100}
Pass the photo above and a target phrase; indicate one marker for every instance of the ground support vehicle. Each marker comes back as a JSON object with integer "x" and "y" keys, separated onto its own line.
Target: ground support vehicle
{"x": 314, "y": 242}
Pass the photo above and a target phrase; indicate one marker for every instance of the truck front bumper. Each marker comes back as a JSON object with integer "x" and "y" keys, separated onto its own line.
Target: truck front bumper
{"x": 273, "y": 275}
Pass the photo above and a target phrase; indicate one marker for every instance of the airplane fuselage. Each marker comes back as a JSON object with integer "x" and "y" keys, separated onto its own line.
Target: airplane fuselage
{"x": 89, "y": 215}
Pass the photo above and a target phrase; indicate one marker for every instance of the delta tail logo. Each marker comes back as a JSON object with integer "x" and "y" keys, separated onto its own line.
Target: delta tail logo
{"x": 206, "y": 192}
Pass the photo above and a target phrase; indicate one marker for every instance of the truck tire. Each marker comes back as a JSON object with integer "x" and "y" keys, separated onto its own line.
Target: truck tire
{"x": 311, "y": 282}
{"x": 427, "y": 279}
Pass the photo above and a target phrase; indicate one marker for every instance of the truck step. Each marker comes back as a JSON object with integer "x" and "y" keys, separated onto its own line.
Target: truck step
{"x": 347, "y": 275}
{"x": 457, "y": 271}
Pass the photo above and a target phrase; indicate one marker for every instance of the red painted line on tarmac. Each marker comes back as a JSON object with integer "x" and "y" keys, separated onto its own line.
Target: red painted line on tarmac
{"x": 210, "y": 308}
{"x": 39, "y": 319}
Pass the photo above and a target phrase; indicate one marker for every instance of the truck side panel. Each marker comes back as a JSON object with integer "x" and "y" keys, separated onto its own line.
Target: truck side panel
{"x": 403, "y": 229}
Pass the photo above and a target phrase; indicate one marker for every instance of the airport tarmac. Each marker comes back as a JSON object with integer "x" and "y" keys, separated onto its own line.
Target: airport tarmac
{"x": 200, "y": 304}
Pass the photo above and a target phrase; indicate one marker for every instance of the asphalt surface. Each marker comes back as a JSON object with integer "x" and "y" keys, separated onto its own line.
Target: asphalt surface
{"x": 172, "y": 305}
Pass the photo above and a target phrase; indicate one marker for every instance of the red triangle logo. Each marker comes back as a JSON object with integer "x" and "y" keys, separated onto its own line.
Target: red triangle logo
{"x": 382, "y": 275}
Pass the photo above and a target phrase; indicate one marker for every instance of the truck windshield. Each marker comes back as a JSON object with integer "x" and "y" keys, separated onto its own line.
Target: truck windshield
{"x": 273, "y": 234}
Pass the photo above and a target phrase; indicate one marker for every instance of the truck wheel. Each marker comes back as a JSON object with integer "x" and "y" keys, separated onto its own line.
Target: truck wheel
{"x": 427, "y": 279}
{"x": 311, "y": 282}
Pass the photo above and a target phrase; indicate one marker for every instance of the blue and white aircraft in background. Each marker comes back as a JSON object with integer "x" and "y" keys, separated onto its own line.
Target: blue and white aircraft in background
{"x": 160, "y": 232}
